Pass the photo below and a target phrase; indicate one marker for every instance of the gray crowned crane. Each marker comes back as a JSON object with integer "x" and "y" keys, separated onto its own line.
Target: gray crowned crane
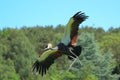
{"x": 67, "y": 46}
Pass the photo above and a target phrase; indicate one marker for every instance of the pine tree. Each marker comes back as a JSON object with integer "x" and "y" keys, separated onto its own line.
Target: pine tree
{"x": 95, "y": 65}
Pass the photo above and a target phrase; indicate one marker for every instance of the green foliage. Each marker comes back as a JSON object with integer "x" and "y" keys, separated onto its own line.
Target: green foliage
{"x": 19, "y": 49}
{"x": 111, "y": 42}
{"x": 7, "y": 70}
{"x": 93, "y": 61}
{"x": 91, "y": 77}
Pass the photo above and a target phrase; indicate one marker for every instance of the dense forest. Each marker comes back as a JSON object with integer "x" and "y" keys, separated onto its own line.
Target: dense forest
{"x": 100, "y": 56}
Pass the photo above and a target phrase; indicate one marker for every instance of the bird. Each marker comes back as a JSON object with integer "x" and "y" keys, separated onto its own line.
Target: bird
{"x": 67, "y": 46}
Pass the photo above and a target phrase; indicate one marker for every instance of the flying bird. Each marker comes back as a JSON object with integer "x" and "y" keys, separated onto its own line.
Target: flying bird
{"x": 67, "y": 46}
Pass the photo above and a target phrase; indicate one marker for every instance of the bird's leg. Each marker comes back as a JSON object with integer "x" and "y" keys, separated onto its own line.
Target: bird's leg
{"x": 76, "y": 57}
{"x": 71, "y": 64}
{"x": 79, "y": 60}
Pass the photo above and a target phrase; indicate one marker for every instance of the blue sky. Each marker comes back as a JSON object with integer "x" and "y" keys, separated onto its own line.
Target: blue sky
{"x": 19, "y": 13}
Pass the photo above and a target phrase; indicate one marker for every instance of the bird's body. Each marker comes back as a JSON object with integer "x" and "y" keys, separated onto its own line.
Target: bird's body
{"x": 67, "y": 46}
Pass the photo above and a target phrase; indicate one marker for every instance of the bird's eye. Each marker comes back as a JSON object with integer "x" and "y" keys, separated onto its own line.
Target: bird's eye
{"x": 46, "y": 46}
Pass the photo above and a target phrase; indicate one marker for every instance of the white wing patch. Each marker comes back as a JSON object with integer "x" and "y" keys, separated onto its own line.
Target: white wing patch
{"x": 66, "y": 37}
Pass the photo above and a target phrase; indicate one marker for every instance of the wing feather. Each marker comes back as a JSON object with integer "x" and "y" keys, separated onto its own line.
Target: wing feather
{"x": 45, "y": 61}
{"x": 71, "y": 31}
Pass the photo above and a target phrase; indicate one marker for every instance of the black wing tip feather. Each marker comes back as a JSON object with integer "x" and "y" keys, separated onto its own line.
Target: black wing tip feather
{"x": 80, "y": 16}
{"x": 39, "y": 67}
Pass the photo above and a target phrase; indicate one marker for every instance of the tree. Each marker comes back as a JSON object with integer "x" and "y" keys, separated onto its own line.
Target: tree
{"x": 95, "y": 63}
{"x": 19, "y": 47}
{"x": 7, "y": 70}
{"x": 111, "y": 42}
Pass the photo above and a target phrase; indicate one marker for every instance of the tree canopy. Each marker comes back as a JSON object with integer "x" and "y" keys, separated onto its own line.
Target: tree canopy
{"x": 100, "y": 55}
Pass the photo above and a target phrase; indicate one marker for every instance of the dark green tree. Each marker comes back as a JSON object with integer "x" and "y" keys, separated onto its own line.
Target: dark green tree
{"x": 94, "y": 64}
{"x": 7, "y": 70}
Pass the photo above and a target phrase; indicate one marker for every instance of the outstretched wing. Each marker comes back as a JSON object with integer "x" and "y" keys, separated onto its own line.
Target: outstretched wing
{"x": 45, "y": 61}
{"x": 71, "y": 31}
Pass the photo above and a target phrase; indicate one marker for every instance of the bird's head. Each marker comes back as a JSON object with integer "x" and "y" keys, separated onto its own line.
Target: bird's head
{"x": 48, "y": 46}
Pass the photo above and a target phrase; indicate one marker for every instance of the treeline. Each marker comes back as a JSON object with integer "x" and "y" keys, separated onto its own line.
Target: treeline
{"x": 100, "y": 57}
